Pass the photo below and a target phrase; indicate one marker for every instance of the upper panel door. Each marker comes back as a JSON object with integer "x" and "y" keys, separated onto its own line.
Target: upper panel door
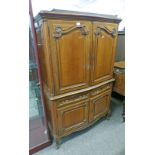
{"x": 70, "y": 45}
{"x": 104, "y": 40}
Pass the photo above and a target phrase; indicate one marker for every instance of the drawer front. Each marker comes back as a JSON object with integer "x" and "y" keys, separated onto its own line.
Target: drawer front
{"x": 101, "y": 89}
{"x": 69, "y": 100}
{"x": 99, "y": 105}
{"x": 72, "y": 117}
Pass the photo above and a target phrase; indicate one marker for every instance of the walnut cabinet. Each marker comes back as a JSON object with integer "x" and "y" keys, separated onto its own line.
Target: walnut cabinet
{"x": 76, "y": 54}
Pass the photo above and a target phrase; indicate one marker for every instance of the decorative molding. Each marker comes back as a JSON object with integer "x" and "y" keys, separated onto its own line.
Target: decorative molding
{"x": 76, "y": 16}
{"x": 75, "y": 99}
{"x": 59, "y": 31}
{"x": 72, "y": 86}
{"x": 98, "y": 99}
{"x": 100, "y": 90}
{"x": 108, "y": 31}
{"x": 50, "y": 97}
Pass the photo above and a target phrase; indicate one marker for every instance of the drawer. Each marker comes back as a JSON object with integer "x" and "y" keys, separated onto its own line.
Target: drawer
{"x": 101, "y": 89}
{"x": 72, "y": 99}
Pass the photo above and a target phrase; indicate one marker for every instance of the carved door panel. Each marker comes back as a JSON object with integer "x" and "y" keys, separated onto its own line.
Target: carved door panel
{"x": 72, "y": 117}
{"x": 99, "y": 105}
{"x": 104, "y": 40}
{"x": 70, "y": 41}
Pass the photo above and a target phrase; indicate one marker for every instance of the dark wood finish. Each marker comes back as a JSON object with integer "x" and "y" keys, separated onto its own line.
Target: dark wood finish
{"x": 119, "y": 85}
{"x": 40, "y": 147}
{"x": 77, "y": 58}
{"x": 119, "y": 75}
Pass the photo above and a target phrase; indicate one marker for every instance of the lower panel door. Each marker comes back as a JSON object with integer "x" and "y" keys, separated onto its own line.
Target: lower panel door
{"x": 72, "y": 117}
{"x": 99, "y": 105}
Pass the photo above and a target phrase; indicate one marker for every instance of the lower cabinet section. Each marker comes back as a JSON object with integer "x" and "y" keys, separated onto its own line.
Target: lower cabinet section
{"x": 76, "y": 112}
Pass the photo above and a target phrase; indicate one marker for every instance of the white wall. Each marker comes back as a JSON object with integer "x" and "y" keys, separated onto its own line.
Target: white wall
{"x": 112, "y": 7}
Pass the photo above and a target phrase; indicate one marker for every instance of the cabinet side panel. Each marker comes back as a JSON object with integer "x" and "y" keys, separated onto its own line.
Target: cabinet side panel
{"x": 45, "y": 58}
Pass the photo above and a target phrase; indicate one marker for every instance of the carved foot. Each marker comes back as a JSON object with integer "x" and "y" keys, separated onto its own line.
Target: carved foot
{"x": 58, "y": 141}
{"x": 108, "y": 115}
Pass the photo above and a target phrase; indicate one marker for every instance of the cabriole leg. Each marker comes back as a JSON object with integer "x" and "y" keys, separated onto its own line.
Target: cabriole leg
{"x": 108, "y": 114}
{"x": 58, "y": 142}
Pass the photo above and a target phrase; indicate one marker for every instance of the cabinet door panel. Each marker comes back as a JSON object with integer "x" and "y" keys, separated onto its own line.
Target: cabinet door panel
{"x": 104, "y": 40}
{"x": 72, "y": 47}
{"x": 73, "y": 117}
{"x": 99, "y": 106}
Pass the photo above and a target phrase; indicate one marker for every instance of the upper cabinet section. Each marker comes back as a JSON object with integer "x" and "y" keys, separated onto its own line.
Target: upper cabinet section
{"x": 70, "y": 46}
{"x": 104, "y": 40}
{"x": 77, "y": 49}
